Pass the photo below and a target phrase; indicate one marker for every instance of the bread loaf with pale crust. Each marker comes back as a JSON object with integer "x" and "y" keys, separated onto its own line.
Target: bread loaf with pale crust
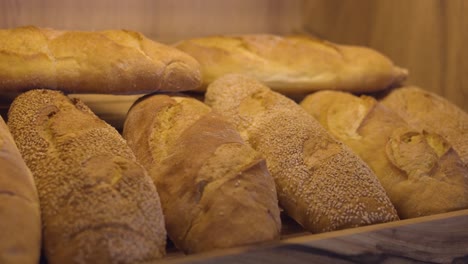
{"x": 321, "y": 183}
{"x": 294, "y": 64}
{"x": 20, "y": 216}
{"x": 420, "y": 171}
{"x": 98, "y": 204}
{"x": 215, "y": 190}
{"x": 108, "y": 62}
{"x": 433, "y": 113}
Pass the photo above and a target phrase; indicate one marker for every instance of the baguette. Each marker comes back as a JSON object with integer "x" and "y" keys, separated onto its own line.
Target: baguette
{"x": 293, "y": 64}
{"x": 433, "y": 113}
{"x": 108, "y": 62}
{"x": 20, "y": 219}
{"x": 419, "y": 170}
{"x": 320, "y": 182}
{"x": 98, "y": 204}
{"x": 215, "y": 190}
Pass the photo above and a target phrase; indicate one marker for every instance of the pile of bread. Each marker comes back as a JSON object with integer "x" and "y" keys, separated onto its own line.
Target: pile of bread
{"x": 212, "y": 173}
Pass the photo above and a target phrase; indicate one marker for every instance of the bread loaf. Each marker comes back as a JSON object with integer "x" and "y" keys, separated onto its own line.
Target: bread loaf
{"x": 320, "y": 182}
{"x": 98, "y": 204}
{"x": 20, "y": 218}
{"x": 293, "y": 64}
{"x": 433, "y": 113}
{"x": 215, "y": 190}
{"x": 419, "y": 170}
{"x": 112, "y": 61}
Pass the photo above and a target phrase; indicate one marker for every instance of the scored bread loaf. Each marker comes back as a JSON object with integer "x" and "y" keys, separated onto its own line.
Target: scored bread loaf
{"x": 98, "y": 204}
{"x": 293, "y": 64}
{"x": 419, "y": 170}
{"x": 20, "y": 217}
{"x": 111, "y": 61}
{"x": 215, "y": 190}
{"x": 433, "y": 113}
{"x": 320, "y": 182}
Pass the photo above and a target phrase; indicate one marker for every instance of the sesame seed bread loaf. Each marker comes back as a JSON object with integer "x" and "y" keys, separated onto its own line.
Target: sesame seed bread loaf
{"x": 433, "y": 113}
{"x": 98, "y": 204}
{"x": 215, "y": 190}
{"x": 321, "y": 183}
{"x": 293, "y": 64}
{"x": 112, "y": 62}
{"x": 20, "y": 218}
{"x": 419, "y": 170}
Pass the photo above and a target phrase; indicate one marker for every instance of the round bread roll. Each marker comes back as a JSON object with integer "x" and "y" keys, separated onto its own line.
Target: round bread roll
{"x": 108, "y": 62}
{"x": 433, "y": 113}
{"x": 20, "y": 216}
{"x": 419, "y": 170}
{"x": 321, "y": 183}
{"x": 98, "y": 204}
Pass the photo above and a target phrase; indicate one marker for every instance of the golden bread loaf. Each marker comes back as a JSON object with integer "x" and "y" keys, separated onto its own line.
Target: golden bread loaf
{"x": 215, "y": 190}
{"x": 321, "y": 183}
{"x": 20, "y": 216}
{"x": 433, "y": 113}
{"x": 112, "y": 61}
{"x": 98, "y": 204}
{"x": 419, "y": 170}
{"x": 293, "y": 64}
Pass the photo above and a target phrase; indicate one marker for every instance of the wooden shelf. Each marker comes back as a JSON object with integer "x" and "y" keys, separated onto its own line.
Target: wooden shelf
{"x": 441, "y": 238}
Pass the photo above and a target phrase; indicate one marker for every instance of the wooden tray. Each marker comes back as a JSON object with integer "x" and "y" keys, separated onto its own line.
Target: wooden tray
{"x": 441, "y": 238}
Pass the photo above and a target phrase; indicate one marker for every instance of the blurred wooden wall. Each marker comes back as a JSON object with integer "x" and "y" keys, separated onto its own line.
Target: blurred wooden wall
{"x": 164, "y": 20}
{"x": 428, "y": 37}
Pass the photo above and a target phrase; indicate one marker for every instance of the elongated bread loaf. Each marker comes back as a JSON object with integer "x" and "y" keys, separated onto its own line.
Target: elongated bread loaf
{"x": 293, "y": 64}
{"x": 321, "y": 183}
{"x": 112, "y": 61}
{"x": 98, "y": 204}
{"x": 20, "y": 216}
{"x": 433, "y": 113}
{"x": 419, "y": 170}
{"x": 215, "y": 190}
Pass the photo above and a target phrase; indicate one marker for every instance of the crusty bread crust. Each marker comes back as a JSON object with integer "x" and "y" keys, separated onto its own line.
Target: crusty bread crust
{"x": 321, "y": 183}
{"x": 433, "y": 113}
{"x": 419, "y": 170}
{"x": 215, "y": 190}
{"x": 112, "y": 62}
{"x": 98, "y": 204}
{"x": 293, "y": 64}
{"x": 20, "y": 218}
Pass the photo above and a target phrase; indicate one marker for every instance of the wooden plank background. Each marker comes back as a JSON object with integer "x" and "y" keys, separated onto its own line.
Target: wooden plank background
{"x": 425, "y": 36}
{"x": 164, "y": 20}
{"x": 428, "y": 37}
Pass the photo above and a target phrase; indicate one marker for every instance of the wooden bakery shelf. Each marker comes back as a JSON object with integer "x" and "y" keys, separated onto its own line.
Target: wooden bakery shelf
{"x": 426, "y": 36}
{"x": 441, "y": 238}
